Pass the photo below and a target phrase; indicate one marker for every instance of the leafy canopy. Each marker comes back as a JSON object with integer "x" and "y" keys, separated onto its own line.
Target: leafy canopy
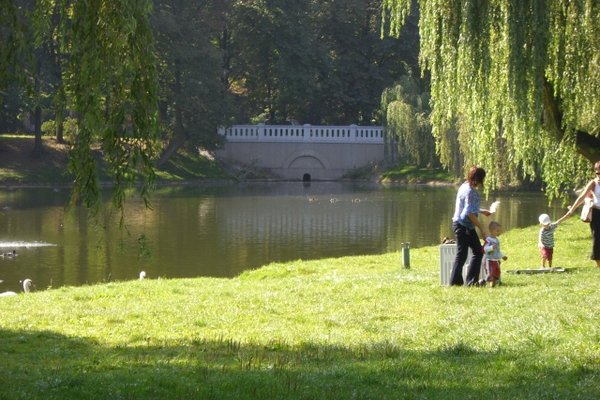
{"x": 525, "y": 73}
{"x": 405, "y": 113}
{"x": 108, "y": 69}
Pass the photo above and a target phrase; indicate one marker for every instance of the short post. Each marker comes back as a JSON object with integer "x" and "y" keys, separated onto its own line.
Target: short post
{"x": 406, "y": 254}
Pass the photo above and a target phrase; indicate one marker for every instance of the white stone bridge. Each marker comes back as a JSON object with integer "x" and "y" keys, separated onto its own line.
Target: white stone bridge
{"x": 303, "y": 152}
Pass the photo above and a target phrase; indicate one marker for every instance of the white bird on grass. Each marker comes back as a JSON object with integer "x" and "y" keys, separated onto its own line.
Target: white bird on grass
{"x": 27, "y": 287}
{"x": 142, "y": 275}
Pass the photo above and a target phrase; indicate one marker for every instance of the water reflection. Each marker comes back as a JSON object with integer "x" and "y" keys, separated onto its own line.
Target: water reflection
{"x": 221, "y": 231}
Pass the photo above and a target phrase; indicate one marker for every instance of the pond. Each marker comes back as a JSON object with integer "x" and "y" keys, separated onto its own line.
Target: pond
{"x": 221, "y": 231}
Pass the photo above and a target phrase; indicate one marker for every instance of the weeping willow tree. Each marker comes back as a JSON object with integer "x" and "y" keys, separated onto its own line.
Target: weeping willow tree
{"x": 108, "y": 73}
{"x": 112, "y": 80}
{"x": 405, "y": 114}
{"x": 524, "y": 72}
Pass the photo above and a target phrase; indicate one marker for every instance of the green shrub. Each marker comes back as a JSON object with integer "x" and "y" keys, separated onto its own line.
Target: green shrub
{"x": 69, "y": 128}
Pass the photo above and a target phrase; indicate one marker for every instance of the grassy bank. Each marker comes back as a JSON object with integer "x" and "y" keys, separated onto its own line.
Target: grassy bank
{"x": 19, "y": 168}
{"x": 412, "y": 174}
{"x": 353, "y": 327}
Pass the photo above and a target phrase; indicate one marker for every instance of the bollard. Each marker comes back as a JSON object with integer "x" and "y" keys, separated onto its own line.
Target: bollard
{"x": 406, "y": 254}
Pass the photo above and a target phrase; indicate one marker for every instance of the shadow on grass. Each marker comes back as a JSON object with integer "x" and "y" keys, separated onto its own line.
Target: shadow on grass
{"x": 47, "y": 365}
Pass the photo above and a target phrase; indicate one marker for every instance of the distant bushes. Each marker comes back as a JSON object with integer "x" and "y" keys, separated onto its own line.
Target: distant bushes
{"x": 49, "y": 128}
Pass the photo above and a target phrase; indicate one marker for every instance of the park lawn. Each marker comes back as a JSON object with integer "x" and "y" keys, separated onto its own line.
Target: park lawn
{"x": 346, "y": 328}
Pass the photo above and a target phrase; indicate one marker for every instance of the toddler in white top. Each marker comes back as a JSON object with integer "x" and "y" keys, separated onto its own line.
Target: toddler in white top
{"x": 546, "y": 238}
{"x": 493, "y": 255}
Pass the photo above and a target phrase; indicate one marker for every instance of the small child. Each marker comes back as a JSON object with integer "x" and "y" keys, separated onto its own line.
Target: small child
{"x": 493, "y": 255}
{"x": 546, "y": 238}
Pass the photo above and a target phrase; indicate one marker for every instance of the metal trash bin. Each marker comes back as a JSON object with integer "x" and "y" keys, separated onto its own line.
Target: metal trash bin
{"x": 447, "y": 256}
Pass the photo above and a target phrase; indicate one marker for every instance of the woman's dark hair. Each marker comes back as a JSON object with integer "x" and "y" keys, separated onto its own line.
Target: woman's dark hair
{"x": 476, "y": 175}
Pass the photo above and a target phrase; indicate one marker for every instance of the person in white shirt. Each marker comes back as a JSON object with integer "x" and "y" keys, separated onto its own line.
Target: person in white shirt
{"x": 592, "y": 189}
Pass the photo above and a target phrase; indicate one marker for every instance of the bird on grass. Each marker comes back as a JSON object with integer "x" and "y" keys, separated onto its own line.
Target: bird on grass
{"x": 28, "y": 286}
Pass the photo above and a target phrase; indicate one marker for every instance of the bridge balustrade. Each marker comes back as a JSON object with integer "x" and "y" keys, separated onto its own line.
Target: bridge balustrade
{"x": 303, "y": 133}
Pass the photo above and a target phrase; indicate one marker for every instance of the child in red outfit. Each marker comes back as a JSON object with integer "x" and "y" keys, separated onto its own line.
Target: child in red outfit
{"x": 493, "y": 255}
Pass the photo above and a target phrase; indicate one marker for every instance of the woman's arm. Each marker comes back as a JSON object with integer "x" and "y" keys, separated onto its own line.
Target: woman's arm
{"x": 585, "y": 192}
{"x": 475, "y": 221}
{"x": 561, "y": 219}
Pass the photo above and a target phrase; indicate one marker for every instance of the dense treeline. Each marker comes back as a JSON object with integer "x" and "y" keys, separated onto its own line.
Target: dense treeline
{"x": 144, "y": 78}
{"x": 220, "y": 62}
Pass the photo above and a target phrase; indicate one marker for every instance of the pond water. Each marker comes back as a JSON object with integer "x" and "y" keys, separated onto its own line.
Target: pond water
{"x": 220, "y": 231}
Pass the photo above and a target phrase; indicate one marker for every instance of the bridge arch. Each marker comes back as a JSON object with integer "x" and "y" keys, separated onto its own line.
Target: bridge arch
{"x": 306, "y": 158}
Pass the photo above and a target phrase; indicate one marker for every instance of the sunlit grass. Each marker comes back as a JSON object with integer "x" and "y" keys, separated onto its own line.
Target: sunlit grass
{"x": 353, "y": 327}
{"x": 19, "y": 167}
{"x": 188, "y": 166}
{"x": 412, "y": 174}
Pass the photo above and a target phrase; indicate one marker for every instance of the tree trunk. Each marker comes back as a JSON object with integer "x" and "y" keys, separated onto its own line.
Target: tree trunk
{"x": 38, "y": 147}
{"x": 60, "y": 129}
{"x": 172, "y": 147}
{"x": 60, "y": 110}
{"x": 59, "y": 98}
{"x": 587, "y": 145}
{"x": 59, "y": 118}
{"x": 226, "y": 66}
{"x": 180, "y": 135}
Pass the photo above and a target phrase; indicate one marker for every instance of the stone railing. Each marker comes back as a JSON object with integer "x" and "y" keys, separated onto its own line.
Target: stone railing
{"x": 304, "y": 133}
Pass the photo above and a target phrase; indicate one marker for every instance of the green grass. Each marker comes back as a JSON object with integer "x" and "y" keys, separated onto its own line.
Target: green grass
{"x": 18, "y": 167}
{"x": 186, "y": 166}
{"x": 412, "y": 174}
{"x": 352, "y": 327}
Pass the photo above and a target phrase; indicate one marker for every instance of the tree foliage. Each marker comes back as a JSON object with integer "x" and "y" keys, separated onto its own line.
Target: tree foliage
{"x": 526, "y": 73}
{"x": 315, "y": 61}
{"x": 193, "y": 95}
{"x": 405, "y": 113}
{"x": 273, "y": 65}
{"x": 109, "y": 77}
{"x": 12, "y": 41}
